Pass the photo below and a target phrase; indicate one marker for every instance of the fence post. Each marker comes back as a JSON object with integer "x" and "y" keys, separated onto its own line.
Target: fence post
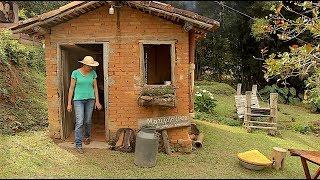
{"x": 247, "y": 111}
{"x": 254, "y": 89}
{"x": 239, "y": 89}
{"x": 273, "y": 111}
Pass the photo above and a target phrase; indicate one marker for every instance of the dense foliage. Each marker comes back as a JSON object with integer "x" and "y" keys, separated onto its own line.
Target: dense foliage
{"x": 298, "y": 23}
{"x": 11, "y": 51}
{"x": 29, "y": 9}
{"x": 23, "y": 104}
{"x": 286, "y": 95}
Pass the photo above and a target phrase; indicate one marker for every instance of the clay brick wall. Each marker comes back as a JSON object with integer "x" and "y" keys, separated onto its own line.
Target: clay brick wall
{"x": 124, "y": 64}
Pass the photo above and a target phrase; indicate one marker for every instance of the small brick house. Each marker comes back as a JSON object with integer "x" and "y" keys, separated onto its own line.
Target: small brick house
{"x": 137, "y": 43}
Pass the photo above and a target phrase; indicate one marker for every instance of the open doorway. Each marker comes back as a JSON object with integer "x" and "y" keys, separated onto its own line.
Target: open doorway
{"x": 70, "y": 55}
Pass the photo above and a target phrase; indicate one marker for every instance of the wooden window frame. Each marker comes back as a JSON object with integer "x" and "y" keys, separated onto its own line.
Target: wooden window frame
{"x": 172, "y": 54}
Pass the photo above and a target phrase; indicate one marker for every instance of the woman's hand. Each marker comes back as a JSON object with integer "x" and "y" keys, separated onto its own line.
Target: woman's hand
{"x": 98, "y": 105}
{"x": 69, "y": 108}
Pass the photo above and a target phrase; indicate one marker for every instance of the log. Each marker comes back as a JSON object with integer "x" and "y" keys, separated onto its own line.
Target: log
{"x": 278, "y": 156}
{"x": 199, "y": 142}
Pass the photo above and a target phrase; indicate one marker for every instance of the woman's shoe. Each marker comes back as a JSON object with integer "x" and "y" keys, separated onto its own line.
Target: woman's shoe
{"x": 79, "y": 150}
{"x": 87, "y": 141}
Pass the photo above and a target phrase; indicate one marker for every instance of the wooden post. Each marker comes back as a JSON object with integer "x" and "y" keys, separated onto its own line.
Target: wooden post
{"x": 305, "y": 168}
{"x": 166, "y": 142}
{"x": 15, "y": 8}
{"x": 192, "y": 51}
{"x": 239, "y": 89}
{"x": 247, "y": 111}
{"x": 278, "y": 156}
{"x": 273, "y": 111}
{"x": 254, "y": 89}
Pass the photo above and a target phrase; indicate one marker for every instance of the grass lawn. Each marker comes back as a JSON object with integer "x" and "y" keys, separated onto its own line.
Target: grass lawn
{"x": 34, "y": 155}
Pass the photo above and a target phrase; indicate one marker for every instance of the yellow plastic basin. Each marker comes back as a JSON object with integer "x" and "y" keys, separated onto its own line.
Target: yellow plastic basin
{"x": 254, "y": 157}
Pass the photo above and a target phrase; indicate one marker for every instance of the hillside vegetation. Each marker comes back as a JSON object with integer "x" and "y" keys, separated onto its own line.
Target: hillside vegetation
{"x": 23, "y": 102}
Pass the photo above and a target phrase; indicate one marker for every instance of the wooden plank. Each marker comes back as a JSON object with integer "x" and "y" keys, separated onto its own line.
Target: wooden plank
{"x": 260, "y": 122}
{"x": 167, "y": 122}
{"x": 166, "y": 142}
{"x": 157, "y": 42}
{"x": 105, "y": 54}
{"x": 257, "y": 115}
{"x": 262, "y": 127}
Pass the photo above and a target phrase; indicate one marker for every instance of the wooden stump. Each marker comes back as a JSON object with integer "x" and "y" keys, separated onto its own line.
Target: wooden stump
{"x": 278, "y": 156}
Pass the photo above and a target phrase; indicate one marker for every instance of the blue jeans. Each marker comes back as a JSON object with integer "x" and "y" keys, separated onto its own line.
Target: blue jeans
{"x": 83, "y": 110}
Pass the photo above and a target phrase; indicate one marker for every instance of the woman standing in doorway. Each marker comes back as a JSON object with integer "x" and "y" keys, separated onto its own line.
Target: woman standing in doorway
{"x": 84, "y": 87}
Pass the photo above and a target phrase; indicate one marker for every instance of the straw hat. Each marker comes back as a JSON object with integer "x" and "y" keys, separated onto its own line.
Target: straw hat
{"x": 88, "y": 60}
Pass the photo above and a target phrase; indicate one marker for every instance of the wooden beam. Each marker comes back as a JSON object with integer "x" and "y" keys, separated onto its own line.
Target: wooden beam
{"x": 192, "y": 51}
{"x": 262, "y": 127}
{"x": 206, "y": 25}
{"x": 41, "y": 30}
{"x": 260, "y": 122}
{"x": 187, "y": 26}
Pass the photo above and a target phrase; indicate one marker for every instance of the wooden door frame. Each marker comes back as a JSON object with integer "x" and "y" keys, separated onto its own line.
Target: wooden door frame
{"x": 61, "y": 88}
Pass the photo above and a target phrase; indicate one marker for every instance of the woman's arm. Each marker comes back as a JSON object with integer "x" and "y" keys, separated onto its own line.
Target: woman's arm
{"x": 71, "y": 89}
{"x": 96, "y": 94}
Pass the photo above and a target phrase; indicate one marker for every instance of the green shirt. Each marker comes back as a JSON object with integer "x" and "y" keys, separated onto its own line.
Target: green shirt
{"x": 84, "y": 85}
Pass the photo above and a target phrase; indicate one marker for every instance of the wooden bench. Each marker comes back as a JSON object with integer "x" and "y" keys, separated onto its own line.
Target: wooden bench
{"x": 164, "y": 123}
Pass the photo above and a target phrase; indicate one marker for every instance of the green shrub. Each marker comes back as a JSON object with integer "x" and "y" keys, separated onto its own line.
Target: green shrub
{"x": 204, "y": 101}
{"x": 285, "y": 95}
{"x": 312, "y": 99}
{"x": 12, "y": 51}
{"x": 303, "y": 129}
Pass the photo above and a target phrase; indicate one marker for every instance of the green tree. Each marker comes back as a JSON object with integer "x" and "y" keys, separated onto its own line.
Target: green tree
{"x": 29, "y": 9}
{"x": 298, "y": 22}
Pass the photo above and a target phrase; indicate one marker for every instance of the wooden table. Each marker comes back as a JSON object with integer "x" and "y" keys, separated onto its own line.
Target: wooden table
{"x": 311, "y": 156}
